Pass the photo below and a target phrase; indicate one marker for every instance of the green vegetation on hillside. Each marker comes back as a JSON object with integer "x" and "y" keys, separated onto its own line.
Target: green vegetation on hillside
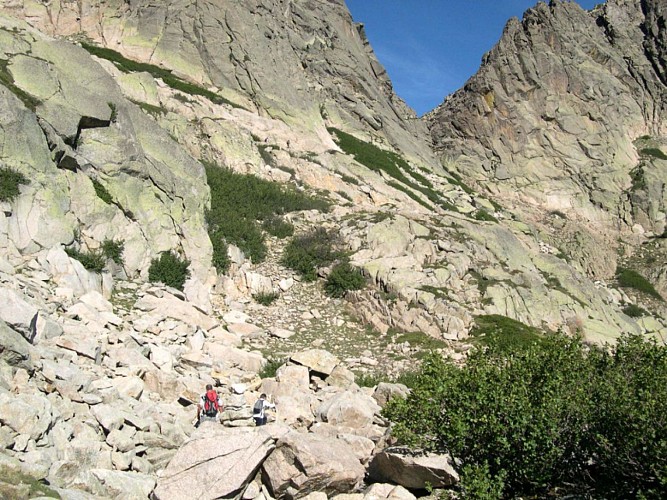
{"x": 628, "y": 278}
{"x": 239, "y": 201}
{"x": 102, "y": 192}
{"x": 92, "y": 261}
{"x": 547, "y": 418}
{"x": 654, "y": 153}
{"x": 15, "y": 485}
{"x": 130, "y": 66}
{"x": 343, "y": 277}
{"x": 7, "y": 80}
{"x": 381, "y": 160}
{"x": 503, "y": 333}
{"x": 10, "y": 180}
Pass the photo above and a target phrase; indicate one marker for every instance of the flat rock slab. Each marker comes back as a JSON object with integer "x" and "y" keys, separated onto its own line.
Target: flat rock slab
{"x": 244, "y": 329}
{"x": 318, "y": 360}
{"x": 215, "y": 463}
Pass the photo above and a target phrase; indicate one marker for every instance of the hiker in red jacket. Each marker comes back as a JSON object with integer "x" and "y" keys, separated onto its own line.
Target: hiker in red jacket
{"x": 209, "y": 406}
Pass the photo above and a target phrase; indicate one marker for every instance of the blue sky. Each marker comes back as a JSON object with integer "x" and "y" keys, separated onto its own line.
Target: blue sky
{"x": 431, "y": 47}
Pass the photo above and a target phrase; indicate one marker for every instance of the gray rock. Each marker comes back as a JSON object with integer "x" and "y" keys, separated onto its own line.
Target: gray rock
{"x": 117, "y": 484}
{"x": 109, "y": 417}
{"x": 386, "y": 391}
{"x": 317, "y": 360}
{"x": 14, "y": 349}
{"x": 413, "y": 472}
{"x": 348, "y": 409}
{"x": 28, "y": 414}
{"x": 215, "y": 463}
{"x": 304, "y": 463}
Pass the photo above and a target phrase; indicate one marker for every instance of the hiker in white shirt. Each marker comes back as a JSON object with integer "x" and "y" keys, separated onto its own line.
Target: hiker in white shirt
{"x": 258, "y": 410}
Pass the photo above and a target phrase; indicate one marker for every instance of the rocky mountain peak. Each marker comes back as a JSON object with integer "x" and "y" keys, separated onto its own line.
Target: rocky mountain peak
{"x": 552, "y": 116}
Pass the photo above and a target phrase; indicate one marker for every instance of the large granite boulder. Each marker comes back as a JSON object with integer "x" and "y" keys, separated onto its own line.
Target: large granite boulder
{"x": 215, "y": 463}
{"x": 305, "y": 463}
{"x": 413, "y": 471}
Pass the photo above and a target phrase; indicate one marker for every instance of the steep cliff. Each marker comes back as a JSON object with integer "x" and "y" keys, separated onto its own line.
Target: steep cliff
{"x": 298, "y": 61}
{"x": 552, "y": 119}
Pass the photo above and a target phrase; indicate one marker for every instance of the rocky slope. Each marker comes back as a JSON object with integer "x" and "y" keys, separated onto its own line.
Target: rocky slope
{"x": 112, "y": 145}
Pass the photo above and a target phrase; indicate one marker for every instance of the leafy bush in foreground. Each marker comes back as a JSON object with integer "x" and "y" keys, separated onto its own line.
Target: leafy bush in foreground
{"x": 169, "y": 269}
{"x": 113, "y": 250}
{"x": 550, "y": 414}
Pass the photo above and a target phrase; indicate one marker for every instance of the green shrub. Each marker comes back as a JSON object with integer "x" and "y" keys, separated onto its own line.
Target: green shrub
{"x": 92, "y": 261}
{"x": 114, "y": 111}
{"x": 102, "y": 192}
{"x": 238, "y": 201}
{"x": 343, "y": 277}
{"x": 278, "y": 227}
{"x": 634, "y": 311}
{"x": 627, "y": 278}
{"x": 483, "y": 215}
{"x": 265, "y": 298}
{"x": 653, "y": 152}
{"x": 552, "y": 414}
{"x": 306, "y": 253}
{"x": 169, "y": 269}
{"x": 270, "y": 368}
{"x": 10, "y": 180}
{"x": 113, "y": 250}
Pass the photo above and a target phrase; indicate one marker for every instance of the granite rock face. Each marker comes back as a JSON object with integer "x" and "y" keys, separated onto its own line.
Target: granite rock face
{"x": 297, "y": 61}
{"x": 552, "y": 118}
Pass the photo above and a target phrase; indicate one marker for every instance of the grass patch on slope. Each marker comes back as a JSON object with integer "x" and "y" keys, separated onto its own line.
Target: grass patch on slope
{"x": 381, "y": 160}
{"x": 129, "y": 66}
{"x": 7, "y": 80}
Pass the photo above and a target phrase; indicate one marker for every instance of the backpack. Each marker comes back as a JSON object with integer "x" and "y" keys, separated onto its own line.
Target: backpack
{"x": 257, "y": 409}
{"x": 211, "y": 403}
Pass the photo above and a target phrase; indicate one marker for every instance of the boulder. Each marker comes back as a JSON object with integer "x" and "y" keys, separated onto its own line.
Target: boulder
{"x": 109, "y": 417}
{"x": 414, "y": 472}
{"x": 385, "y": 391}
{"x": 234, "y": 357}
{"x": 348, "y": 409}
{"x": 317, "y": 360}
{"x": 215, "y": 463}
{"x": 14, "y": 349}
{"x": 305, "y": 463}
{"x": 118, "y": 484}
{"x": 17, "y": 313}
{"x": 170, "y": 306}
{"x": 29, "y": 414}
